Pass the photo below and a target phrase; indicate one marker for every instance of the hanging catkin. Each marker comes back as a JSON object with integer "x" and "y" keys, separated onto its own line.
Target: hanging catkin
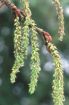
{"x": 35, "y": 60}
{"x": 18, "y": 51}
{"x": 59, "y": 11}
{"x": 58, "y": 82}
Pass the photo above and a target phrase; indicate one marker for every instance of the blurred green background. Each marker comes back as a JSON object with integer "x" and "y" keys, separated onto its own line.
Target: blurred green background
{"x": 43, "y": 12}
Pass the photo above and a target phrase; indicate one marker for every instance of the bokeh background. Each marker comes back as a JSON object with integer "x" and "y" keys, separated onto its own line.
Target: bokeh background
{"x": 43, "y": 12}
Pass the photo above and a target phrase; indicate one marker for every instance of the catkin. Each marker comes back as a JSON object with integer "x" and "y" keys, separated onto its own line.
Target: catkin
{"x": 25, "y": 36}
{"x": 18, "y": 52}
{"x": 59, "y": 11}
{"x": 35, "y": 61}
{"x": 58, "y": 82}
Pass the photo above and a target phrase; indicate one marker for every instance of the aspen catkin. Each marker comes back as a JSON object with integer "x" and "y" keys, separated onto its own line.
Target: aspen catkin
{"x": 35, "y": 61}
{"x": 58, "y": 82}
{"x": 59, "y": 11}
{"x": 18, "y": 53}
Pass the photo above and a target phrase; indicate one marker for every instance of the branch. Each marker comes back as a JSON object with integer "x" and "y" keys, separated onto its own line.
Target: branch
{"x": 19, "y": 12}
{"x": 58, "y": 82}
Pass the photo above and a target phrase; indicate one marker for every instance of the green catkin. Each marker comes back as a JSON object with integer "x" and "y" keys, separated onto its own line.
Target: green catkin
{"x": 35, "y": 61}
{"x": 25, "y": 38}
{"x": 25, "y": 28}
{"x": 59, "y": 10}
{"x": 58, "y": 82}
{"x": 18, "y": 51}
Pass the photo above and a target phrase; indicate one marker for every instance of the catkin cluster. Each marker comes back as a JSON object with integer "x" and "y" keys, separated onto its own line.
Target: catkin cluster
{"x": 58, "y": 82}
{"x": 21, "y": 42}
{"x": 59, "y": 11}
